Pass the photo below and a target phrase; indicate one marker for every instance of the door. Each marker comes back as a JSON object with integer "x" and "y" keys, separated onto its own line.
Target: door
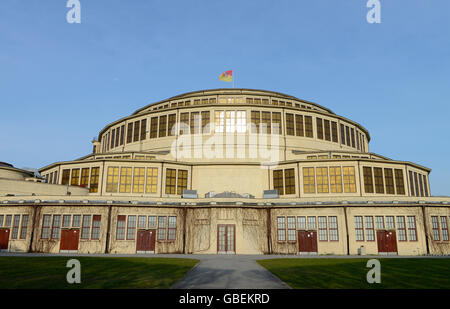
{"x": 307, "y": 242}
{"x": 226, "y": 239}
{"x": 387, "y": 242}
{"x": 4, "y": 239}
{"x": 69, "y": 240}
{"x": 145, "y": 242}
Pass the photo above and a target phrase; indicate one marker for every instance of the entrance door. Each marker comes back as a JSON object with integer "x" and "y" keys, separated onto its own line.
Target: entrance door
{"x": 69, "y": 240}
{"x": 387, "y": 242}
{"x": 4, "y": 239}
{"x": 146, "y": 240}
{"x": 307, "y": 242}
{"x": 226, "y": 239}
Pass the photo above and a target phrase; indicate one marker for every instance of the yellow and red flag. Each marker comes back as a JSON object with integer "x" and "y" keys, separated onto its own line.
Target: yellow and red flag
{"x": 227, "y": 76}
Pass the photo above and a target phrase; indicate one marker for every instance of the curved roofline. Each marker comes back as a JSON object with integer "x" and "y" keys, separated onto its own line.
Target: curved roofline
{"x": 230, "y": 91}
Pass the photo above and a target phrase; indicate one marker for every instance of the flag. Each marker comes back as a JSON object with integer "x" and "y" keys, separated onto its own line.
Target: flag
{"x": 227, "y": 76}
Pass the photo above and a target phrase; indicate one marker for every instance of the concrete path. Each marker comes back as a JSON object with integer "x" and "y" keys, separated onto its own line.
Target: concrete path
{"x": 229, "y": 272}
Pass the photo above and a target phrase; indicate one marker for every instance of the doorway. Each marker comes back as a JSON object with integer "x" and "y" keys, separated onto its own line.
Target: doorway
{"x": 307, "y": 242}
{"x": 226, "y": 239}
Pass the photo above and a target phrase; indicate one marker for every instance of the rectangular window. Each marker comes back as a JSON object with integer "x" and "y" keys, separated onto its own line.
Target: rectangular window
{"x": 136, "y": 131}
{"x": 370, "y": 233}
{"x": 309, "y": 185}
{"x": 335, "y": 179}
{"x": 46, "y": 221}
{"x": 401, "y": 228}
{"x": 255, "y": 121}
{"x": 131, "y": 227}
{"x": 368, "y": 182}
{"x": 378, "y": 175}
{"x": 182, "y": 181}
{"x": 276, "y": 123}
{"x": 23, "y": 227}
{"x": 76, "y": 221}
{"x": 342, "y": 134}
{"x": 16, "y": 226}
{"x": 138, "y": 180}
{"x": 84, "y": 182}
{"x": 349, "y": 179}
{"x": 289, "y": 124}
{"x": 278, "y": 181}
{"x": 425, "y": 185}
{"x": 289, "y": 181}
{"x": 86, "y": 228}
{"x": 142, "y": 222}
{"x": 265, "y": 123}
{"x": 299, "y": 131}
{"x": 308, "y": 127}
{"x": 172, "y": 229}
{"x": 154, "y": 127}
{"x": 163, "y": 126}
{"x": 319, "y": 128}
{"x": 323, "y": 231}
{"x": 411, "y": 183}
{"x": 301, "y": 223}
{"x": 152, "y": 222}
{"x": 171, "y": 128}
{"x": 359, "y": 228}
{"x": 171, "y": 178}
{"x": 281, "y": 229}
{"x": 389, "y": 179}
{"x": 352, "y": 135}
{"x": 66, "y": 221}
{"x": 112, "y": 179}
{"x": 390, "y": 224}
{"x": 291, "y": 229}
{"x": 420, "y": 184}
{"x": 219, "y": 121}
{"x": 122, "y": 134}
{"x": 75, "y": 179}
{"x": 241, "y": 121}
{"x": 56, "y": 226}
{"x": 125, "y": 180}
{"x": 311, "y": 223}
{"x": 195, "y": 123}
{"x": 333, "y": 228}
{"x": 96, "y": 220}
{"x": 322, "y": 179}
{"x": 379, "y": 222}
{"x": 327, "y": 131}
{"x": 93, "y": 187}
{"x": 334, "y": 132}
{"x": 117, "y": 137}
{"x": 444, "y": 228}
{"x": 143, "y": 129}
{"x": 230, "y": 121}
{"x": 205, "y": 122}
{"x": 113, "y": 137}
{"x": 152, "y": 180}
{"x": 416, "y": 184}
{"x": 435, "y": 228}
{"x": 347, "y": 134}
{"x": 412, "y": 232}
{"x": 130, "y": 133}
{"x": 399, "y": 184}
{"x": 162, "y": 228}
{"x": 120, "y": 232}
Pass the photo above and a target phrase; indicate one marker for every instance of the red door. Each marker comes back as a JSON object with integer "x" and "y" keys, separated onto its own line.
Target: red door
{"x": 69, "y": 239}
{"x": 307, "y": 241}
{"x": 4, "y": 239}
{"x": 146, "y": 240}
{"x": 387, "y": 242}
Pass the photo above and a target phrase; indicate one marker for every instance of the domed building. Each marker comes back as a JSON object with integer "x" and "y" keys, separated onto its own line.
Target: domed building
{"x": 235, "y": 171}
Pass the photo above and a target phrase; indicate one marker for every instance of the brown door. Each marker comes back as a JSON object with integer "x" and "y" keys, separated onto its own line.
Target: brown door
{"x": 226, "y": 238}
{"x": 146, "y": 240}
{"x": 307, "y": 241}
{"x": 4, "y": 239}
{"x": 387, "y": 242}
{"x": 69, "y": 239}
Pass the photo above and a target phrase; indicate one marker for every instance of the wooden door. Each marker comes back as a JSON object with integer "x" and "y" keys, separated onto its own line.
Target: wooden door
{"x": 307, "y": 241}
{"x": 387, "y": 242}
{"x": 4, "y": 239}
{"x": 151, "y": 240}
{"x": 226, "y": 240}
{"x": 146, "y": 240}
{"x": 69, "y": 240}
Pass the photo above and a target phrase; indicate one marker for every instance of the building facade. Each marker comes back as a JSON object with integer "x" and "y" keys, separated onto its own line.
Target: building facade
{"x": 235, "y": 171}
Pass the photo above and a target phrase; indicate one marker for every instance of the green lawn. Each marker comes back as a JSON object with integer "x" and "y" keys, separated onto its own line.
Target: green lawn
{"x": 96, "y": 272}
{"x": 346, "y": 273}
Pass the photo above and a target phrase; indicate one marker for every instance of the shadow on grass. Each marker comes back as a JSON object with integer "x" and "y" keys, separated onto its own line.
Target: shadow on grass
{"x": 96, "y": 272}
{"x": 351, "y": 273}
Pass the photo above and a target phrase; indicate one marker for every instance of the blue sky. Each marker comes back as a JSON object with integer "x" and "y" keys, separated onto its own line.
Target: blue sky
{"x": 61, "y": 83}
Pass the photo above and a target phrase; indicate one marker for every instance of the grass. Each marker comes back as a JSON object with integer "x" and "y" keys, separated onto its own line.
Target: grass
{"x": 96, "y": 272}
{"x": 323, "y": 273}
